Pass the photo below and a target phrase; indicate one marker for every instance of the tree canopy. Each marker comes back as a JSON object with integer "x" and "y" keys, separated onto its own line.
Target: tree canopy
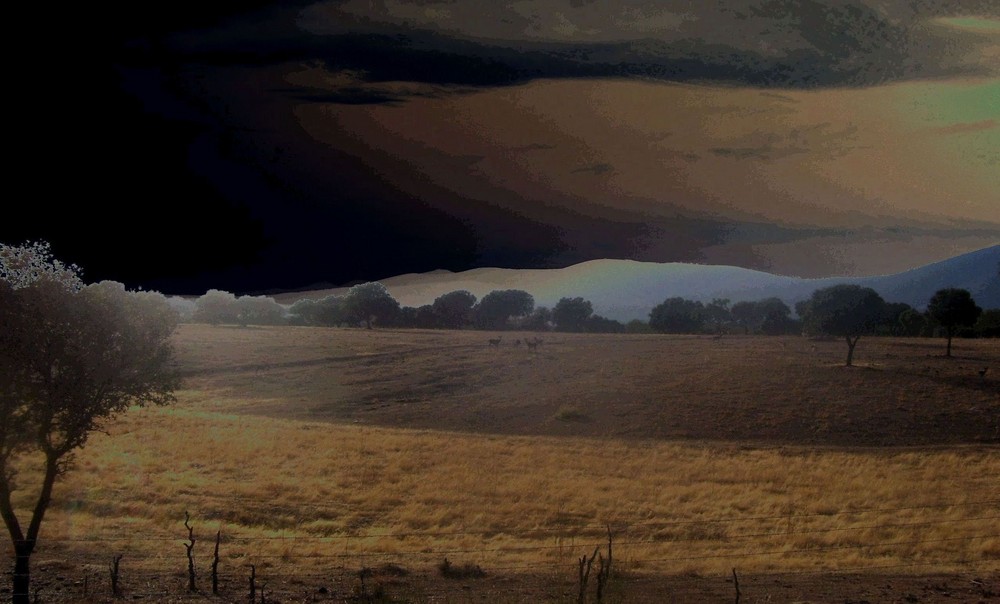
{"x": 847, "y": 311}
{"x": 72, "y": 356}
{"x": 454, "y": 309}
{"x": 572, "y": 314}
{"x": 953, "y": 308}
{"x": 677, "y": 315}
{"x": 370, "y": 302}
{"x": 500, "y": 306}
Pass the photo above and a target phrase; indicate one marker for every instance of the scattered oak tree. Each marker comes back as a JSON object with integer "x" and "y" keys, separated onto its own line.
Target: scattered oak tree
{"x": 370, "y": 302}
{"x": 953, "y": 308}
{"x": 216, "y": 307}
{"x": 72, "y": 356}
{"x": 500, "y": 306}
{"x": 454, "y": 309}
{"x": 988, "y": 325}
{"x": 847, "y": 311}
{"x": 572, "y": 314}
{"x": 259, "y": 310}
{"x": 540, "y": 319}
{"x": 677, "y": 315}
{"x": 752, "y": 316}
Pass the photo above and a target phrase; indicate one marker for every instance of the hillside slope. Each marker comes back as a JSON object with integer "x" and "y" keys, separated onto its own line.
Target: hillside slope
{"x": 626, "y": 289}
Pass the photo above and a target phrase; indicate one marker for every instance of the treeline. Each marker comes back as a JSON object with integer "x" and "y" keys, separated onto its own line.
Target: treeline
{"x": 370, "y": 305}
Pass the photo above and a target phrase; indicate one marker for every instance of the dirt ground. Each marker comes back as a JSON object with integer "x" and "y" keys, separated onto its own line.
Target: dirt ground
{"x": 763, "y": 390}
{"x": 381, "y": 586}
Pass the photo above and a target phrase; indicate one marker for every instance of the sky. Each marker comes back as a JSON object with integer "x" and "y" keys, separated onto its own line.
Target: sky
{"x": 261, "y": 146}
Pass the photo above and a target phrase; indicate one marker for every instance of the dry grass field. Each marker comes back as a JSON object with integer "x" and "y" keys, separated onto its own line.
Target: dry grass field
{"x": 319, "y": 452}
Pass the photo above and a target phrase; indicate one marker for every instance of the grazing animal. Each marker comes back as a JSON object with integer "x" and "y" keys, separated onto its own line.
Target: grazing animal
{"x": 517, "y": 343}
{"x": 496, "y": 342}
{"x": 982, "y": 372}
{"x": 533, "y": 344}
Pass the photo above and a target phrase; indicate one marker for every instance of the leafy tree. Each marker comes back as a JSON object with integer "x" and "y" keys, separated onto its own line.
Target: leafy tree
{"x": 72, "y": 357}
{"x": 751, "y": 315}
{"x": 911, "y": 322}
{"x": 953, "y": 308}
{"x": 259, "y": 310}
{"x": 216, "y": 307}
{"x": 540, "y": 319}
{"x": 890, "y": 324}
{"x": 677, "y": 315}
{"x": 331, "y": 310}
{"x": 406, "y": 317}
{"x": 454, "y": 309}
{"x": 780, "y": 323}
{"x": 370, "y": 302}
{"x": 500, "y": 306}
{"x": 847, "y": 311}
{"x": 599, "y": 324}
{"x": 718, "y": 314}
{"x": 988, "y": 325}
{"x": 183, "y": 307}
{"x": 426, "y": 318}
{"x": 304, "y": 312}
{"x": 572, "y": 314}
{"x": 746, "y": 315}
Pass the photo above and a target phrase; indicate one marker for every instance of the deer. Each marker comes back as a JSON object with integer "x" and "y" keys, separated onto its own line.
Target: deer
{"x": 496, "y": 342}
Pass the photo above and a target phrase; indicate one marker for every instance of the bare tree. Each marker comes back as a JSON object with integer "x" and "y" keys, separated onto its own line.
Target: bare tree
{"x": 71, "y": 358}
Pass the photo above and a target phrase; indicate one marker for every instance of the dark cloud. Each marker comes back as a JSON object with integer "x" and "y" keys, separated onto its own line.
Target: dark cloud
{"x": 597, "y": 169}
{"x": 125, "y": 122}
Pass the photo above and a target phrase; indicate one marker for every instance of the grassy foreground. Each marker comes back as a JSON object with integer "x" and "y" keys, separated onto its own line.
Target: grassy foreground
{"x": 303, "y": 498}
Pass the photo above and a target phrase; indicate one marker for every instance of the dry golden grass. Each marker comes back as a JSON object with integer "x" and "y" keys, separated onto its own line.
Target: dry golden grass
{"x": 746, "y": 389}
{"x": 309, "y": 497}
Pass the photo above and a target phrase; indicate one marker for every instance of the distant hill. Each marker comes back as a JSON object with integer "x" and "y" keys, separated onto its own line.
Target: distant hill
{"x": 626, "y": 289}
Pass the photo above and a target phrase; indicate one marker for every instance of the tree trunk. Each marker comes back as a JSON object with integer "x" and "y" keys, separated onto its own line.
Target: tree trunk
{"x": 24, "y": 544}
{"x": 850, "y": 350}
{"x": 22, "y": 572}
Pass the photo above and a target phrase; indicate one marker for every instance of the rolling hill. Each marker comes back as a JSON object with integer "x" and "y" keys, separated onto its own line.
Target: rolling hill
{"x": 626, "y": 289}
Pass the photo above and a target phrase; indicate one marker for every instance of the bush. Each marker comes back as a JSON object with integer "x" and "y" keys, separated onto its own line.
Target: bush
{"x": 464, "y": 571}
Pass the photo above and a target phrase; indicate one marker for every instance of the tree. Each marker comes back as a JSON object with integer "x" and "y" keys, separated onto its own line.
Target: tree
{"x": 330, "y": 311}
{"x": 717, "y": 313}
{"x": 540, "y": 319}
{"x": 752, "y": 315}
{"x": 847, "y": 311}
{"x": 911, "y": 322}
{"x": 953, "y": 308}
{"x": 72, "y": 357}
{"x": 370, "y": 302}
{"x": 216, "y": 307}
{"x": 778, "y": 323}
{"x": 500, "y": 306}
{"x": 259, "y": 310}
{"x": 677, "y": 315}
{"x": 303, "y": 312}
{"x": 988, "y": 325}
{"x": 571, "y": 314}
{"x": 892, "y": 324}
{"x": 454, "y": 309}
{"x": 599, "y": 324}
